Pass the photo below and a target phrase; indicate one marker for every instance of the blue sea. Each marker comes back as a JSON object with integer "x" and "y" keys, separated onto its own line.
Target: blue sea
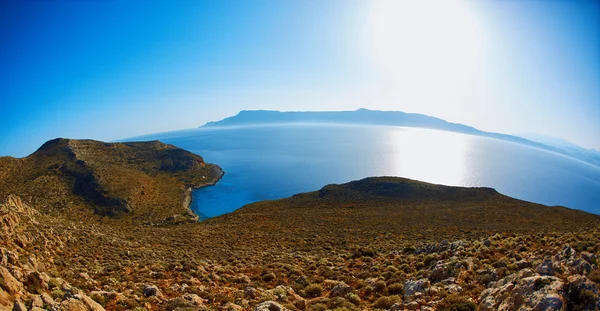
{"x": 276, "y": 161}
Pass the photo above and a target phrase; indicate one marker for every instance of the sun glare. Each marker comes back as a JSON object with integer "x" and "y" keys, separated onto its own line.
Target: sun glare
{"x": 428, "y": 52}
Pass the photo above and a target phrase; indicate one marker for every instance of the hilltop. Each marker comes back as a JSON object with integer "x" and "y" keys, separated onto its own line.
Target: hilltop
{"x": 142, "y": 181}
{"x": 380, "y": 243}
{"x": 391, "y": 118}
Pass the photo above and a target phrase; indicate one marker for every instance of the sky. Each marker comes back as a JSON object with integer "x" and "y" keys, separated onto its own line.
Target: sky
{"x": 108, "y": 69}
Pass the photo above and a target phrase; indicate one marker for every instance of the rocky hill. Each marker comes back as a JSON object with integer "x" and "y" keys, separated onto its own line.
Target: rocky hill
{"x": 146, "y": 181}
{"x": 374, "y": 244}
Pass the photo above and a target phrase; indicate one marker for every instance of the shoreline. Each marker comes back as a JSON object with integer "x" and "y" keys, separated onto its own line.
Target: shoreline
{"x": 187, "y": 195}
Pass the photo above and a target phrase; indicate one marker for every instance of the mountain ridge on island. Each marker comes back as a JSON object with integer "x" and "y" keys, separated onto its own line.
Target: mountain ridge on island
{"x": 387, "y": 118}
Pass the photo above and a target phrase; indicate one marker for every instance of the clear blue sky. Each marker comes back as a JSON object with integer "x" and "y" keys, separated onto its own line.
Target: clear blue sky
{"x": 113, "y": 69}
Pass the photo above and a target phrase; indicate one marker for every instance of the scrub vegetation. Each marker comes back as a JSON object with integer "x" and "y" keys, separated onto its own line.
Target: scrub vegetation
{"x": 93, "y": 226}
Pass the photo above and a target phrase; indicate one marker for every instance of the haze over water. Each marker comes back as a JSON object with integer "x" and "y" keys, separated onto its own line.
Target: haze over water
{"x": 272, "y": 162}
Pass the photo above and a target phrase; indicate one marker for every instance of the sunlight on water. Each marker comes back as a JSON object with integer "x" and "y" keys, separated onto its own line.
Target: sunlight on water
{"x": 272, "y": 162}
{"x": 430, "y": 158}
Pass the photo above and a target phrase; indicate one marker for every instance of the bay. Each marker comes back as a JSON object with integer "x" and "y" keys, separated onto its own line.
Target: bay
{"x": 276, "y": 161}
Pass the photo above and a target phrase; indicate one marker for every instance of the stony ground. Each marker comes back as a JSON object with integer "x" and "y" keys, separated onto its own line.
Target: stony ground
{"x": 55, "y": 264}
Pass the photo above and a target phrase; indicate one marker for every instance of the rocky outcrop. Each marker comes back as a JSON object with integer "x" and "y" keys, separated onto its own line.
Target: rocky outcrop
{"x": 524, "y": 291}
{"x": 542, "y": 290}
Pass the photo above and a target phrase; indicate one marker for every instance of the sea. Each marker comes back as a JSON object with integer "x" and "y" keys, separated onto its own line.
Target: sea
{"x": 268, "y": 162}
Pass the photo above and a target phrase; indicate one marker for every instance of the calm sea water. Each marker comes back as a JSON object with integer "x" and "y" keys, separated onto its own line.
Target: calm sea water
{"x": 272, "y": 162}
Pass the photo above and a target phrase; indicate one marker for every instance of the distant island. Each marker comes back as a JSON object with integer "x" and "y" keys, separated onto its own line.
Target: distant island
{"x": 395, "y": 118}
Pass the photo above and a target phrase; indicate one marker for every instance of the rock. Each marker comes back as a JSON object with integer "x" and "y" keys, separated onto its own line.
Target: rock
{"x": 413, "y": 286}
{"x": 442, "y": 271}
{"x": 251, "y": 292}
{"x": 8, "y": 257}
{"x": 47, "y": 299}
{"x": 546, "y": 267}
{"x": 36, "y": 301}
{"x": 589, "y": 257}
{"x": 579, "y": 266}
{"x": 522, "y": 264}
{"x": 523, "y": 292}
{"x": 91, "y": 304}
{"x": 19, "y": 306}
{"x": 269, "y": 306}
{"x": 10, "y": 284}
{"x": 37, "y": 280}
{"x": 454, "y": 289}
{"x": 300, "y": 304}
{"x": 152, "y": 290}
{"x": 194, "y": 299}
{"x": 179, "y": 303}
{"x": 340, "y": 290}
{"x": 291, "y": 295}
{"x": 566, "y": 253}
{"x": 487, "y": 243}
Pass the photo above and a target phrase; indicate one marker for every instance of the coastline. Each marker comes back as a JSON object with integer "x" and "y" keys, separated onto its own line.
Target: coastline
{"x": 187, "y": 195}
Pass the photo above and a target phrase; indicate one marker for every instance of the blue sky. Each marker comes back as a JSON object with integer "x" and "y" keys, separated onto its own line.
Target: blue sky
{"x": 113, "y": 69}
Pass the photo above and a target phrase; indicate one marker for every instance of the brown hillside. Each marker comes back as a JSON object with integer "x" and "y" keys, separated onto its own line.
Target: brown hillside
{"x": 374, "y": 244}
{"x": 149, "y": 181}
{"x": 372, "y": 207}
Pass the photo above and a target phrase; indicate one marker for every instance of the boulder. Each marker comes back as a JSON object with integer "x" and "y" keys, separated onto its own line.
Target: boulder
{"x": 251, "y": 292}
